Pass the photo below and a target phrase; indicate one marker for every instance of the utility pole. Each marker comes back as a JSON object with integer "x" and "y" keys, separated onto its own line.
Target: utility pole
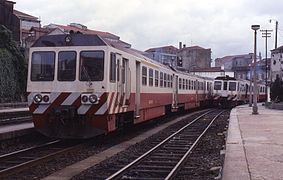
{"x": 276, "y": 29}
{"x": 266, "y": 34}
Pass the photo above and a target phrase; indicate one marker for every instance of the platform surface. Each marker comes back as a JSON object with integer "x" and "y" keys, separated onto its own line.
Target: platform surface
{"x": 254, "y": 147}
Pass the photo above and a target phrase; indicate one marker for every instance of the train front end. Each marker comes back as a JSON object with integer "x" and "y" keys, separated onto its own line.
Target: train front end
{"x": 67, "y": 87}
{"x": 225, "y": 92}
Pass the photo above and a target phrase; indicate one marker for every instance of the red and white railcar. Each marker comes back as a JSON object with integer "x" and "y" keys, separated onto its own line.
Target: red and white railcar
{"x": 83, "y": 85}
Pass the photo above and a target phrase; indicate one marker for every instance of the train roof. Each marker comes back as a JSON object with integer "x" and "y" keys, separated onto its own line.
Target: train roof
{"x": 69, "y": 40}
{"x": 225, "y": 78}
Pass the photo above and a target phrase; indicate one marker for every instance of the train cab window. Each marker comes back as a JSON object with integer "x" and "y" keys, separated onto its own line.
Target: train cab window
{"x": 161, "y": 79}
{"x": 67, "y": 66}
{"x": 91, "y": 66}
{"x": 232, "y": 86}
{"x": 144, "y": 76}
{"x": 156, "y": 78}
{"x": 150, "y": 75}
{"x": 42, "y": 66}
{"x": 225, "y": 84}
{"x": 217, "y": 85}
{"x": 113, "y": 67}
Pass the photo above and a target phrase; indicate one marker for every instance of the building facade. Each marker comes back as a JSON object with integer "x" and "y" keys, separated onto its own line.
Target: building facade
{"x": 27, "y": 22}
{"x": 8, "y": 19}
{"x": 194, "y": 57}
{"x": 277, "y": 63}
{"x": 242, "y": 66}
{"x": 166, "y": 55}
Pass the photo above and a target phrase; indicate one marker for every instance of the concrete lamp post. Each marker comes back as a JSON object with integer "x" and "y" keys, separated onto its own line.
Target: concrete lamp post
{"x": 255, "y": 109}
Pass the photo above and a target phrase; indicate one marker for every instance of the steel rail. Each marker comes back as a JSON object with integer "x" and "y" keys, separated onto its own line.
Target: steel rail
{"x": 128, "y": 166}
{"x": 34, "y": 160}
{"x": 181, "y": 162}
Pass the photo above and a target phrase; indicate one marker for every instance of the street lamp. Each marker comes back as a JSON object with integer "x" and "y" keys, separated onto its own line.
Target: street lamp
{"x": 255, "y": 28}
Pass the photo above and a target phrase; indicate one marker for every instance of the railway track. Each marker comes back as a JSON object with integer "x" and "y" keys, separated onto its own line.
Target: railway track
{"x": 20, "y": 160}
{"x": 165, "y": 159}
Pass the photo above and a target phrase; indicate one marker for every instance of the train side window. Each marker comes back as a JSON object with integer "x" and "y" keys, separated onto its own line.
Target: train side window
{"x": 183, "y": 84}
{"x": 165, "y": 80}
{"x": 161, "y": 79}
{"x": 67, "y": 65}
{"x": 171, "y": 81}
{"x": 180, "y": 83}
{"x": 186, "y": 84}
{"x": 91, "y": 65}
{"x": 225, "y": 85}
{"x": 144, "y": 76}
{"x": 42, "y": 66}
{"x": 156, "y": 78}
{"x": 168, "y": 81}
{"x": 113, "y": 67}
{"x": 150, "y": 75}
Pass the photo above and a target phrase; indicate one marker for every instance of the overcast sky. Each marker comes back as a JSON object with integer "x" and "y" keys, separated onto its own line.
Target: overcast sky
{"x": 222, "y": 25}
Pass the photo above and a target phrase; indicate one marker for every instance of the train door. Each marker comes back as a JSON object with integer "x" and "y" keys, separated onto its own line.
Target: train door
{"x": 138, "y": 89}
{"x": 119, "y": 85}
{"x": 196, "y": 88}
{"x": 126, "y": 82}
{"x": 225, "y": 87}
{"x": 175, "y": 92}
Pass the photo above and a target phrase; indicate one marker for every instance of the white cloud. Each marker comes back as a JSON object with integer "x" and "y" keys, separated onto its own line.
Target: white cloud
{"x": 223, "y": 26}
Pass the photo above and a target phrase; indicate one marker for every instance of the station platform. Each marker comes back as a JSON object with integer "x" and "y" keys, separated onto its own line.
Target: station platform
{"x": 15, "y": 130}
{"x": 254, "y": 146}
{"x": 8, "y": 131}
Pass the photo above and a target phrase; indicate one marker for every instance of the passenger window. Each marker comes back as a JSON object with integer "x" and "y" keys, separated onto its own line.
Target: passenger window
{"x": 165, "y": 80}
{"x": 150, "y": 77}
{"x": 180, "y": 83}
{"x": 161, "y": 79}
{"x": 91, "y": 65}
{"x": 42, "y": 66}
{"x": 156, "y": 78}
{"x": 144, "y": 76}
{"x": 67, "y": 66}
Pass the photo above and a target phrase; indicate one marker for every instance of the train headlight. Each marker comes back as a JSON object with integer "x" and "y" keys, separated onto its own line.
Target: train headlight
{"x": 37, "y": 98}
{"x": 84, "y": 98}
{"x": 93, "y": 98}
{"x": 45, "y": 98}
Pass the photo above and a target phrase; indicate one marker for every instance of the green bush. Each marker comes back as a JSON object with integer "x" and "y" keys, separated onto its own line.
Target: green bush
{"x": 13, "y": 69}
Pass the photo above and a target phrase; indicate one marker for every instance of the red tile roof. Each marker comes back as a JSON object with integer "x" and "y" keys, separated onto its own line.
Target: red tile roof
{"x": 163, "y": 47}
{"x": 87, "y": 31}
{"x": 20, "y": 15}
